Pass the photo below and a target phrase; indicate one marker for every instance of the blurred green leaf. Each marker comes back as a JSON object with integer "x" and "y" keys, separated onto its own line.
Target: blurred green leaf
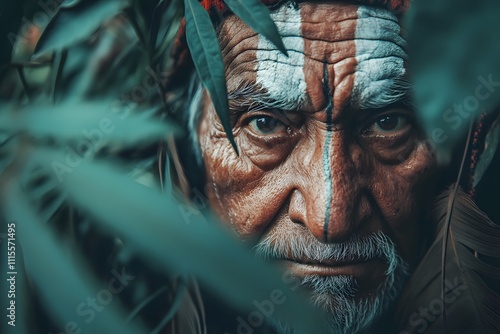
{"x": 69, "y": 3}
{"x": 75, "y": 21}
{"x": 98, "y": 122}
{"x": 99, "y": 70}
{"x": 454, "y": 49}
{"x": 257, "y": 16}
{"x": 207, "y": 58}
{"x": 63, "y": 283}
{"x": 166, "y": 22}
{"x": 154, "y": 20}
{"x": 176, "y": 237}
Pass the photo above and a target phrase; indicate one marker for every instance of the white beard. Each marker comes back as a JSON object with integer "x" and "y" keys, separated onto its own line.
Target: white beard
{"x": 335, "y": 294}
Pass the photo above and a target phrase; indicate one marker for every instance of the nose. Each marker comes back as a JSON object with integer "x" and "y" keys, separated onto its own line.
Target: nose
{"x": 328, "y": 198}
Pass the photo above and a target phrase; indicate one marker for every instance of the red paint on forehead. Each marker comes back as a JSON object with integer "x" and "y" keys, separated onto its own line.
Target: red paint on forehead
{"x": 329, "y": 43}
{"x": 218, "y": 9}
{"x": 399, "y": 6}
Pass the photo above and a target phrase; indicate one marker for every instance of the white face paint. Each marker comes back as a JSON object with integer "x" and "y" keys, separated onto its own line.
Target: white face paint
{"x": 380, "y": 55}
{"x": 283, "y": 77}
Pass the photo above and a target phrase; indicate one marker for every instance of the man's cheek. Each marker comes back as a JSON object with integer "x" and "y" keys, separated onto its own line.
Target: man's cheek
{"x": 265, "y": 156}
{"x": 403, "y": 177}
{"x": 400, "y": 198}
{"x": 238, "y": 209}
{"x": 395, "y": 200}
{"x": 232, "y": 173}
{"x": 418, "y": 167}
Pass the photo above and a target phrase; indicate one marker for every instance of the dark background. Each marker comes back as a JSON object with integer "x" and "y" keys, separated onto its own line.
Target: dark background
{"x": 11, "y": 16}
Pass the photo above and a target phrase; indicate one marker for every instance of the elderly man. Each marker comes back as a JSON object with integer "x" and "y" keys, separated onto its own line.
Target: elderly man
{"x": 332, "y": 180}
{"x": 331, "y": 164}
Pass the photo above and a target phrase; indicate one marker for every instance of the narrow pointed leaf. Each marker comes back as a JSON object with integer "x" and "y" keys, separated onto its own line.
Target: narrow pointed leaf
{"x": 75, "y": 21}
{"x": 165, "y": 24}
{"x": 207, "y": 58}
{"x": 177, "y": 238}
{"x": 100, "y": 123}
{"x": 62, "y": 282}
{"x": 257, "y": 16}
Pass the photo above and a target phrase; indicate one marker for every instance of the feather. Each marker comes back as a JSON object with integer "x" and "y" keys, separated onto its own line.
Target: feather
{"x": 469, "y": 303}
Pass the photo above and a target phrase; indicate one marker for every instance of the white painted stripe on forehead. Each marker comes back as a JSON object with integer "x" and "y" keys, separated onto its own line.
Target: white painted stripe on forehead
{"x": 380, "y": 55}
{"x": 283, "y": 77}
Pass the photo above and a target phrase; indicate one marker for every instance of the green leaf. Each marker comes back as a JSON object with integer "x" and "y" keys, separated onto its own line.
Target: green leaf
{"x": 157, "y": 22}
{"x": 207, "y": 58}
{"x": 256, "y": 15}
{"x": 62, "y": 282}
{"x": 75, "y": 21}
{"x": 177, "y": 238}
{"x": 98, "y": 122}
{"x": 454, "y": 49}
{"x": 69, "y": 3}
{"x": 167, "y": 22}
{"x": 112, "y": 65}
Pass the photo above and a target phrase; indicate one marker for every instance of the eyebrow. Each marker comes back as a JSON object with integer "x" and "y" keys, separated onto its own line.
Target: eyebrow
{"x": 252, "y": 97}
{"x": 397, "y": 92}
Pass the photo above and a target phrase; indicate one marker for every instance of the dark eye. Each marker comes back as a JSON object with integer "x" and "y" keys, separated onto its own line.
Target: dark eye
{"x": 388, "y": 124}
{"x": 266, "y": 125}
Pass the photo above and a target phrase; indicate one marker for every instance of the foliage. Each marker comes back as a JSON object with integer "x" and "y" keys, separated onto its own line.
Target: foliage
{"x": 207, "y": 58}
{"x": 98, "y": 77}
{"x": 83, "y": 155}
{"x": 452, "y": 45}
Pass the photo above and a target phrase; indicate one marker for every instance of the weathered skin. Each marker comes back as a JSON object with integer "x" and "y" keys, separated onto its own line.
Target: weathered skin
{"x": 279, "y": 184}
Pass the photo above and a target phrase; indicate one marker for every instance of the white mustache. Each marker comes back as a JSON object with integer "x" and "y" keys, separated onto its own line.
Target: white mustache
{"x": 335, "y": 293}
{"x": 303, "y": 246}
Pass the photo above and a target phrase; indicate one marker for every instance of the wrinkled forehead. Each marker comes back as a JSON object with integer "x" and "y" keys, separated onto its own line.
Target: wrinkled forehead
{"x": 358, "y": 49}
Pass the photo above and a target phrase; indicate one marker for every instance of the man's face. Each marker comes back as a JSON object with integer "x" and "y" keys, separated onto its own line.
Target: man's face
{"x": 331, "y": 163}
